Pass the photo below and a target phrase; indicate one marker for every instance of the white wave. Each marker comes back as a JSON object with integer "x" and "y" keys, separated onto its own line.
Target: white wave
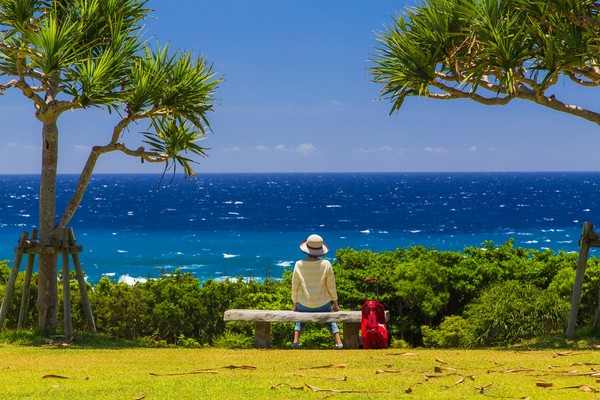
{"x": 415, "y": 231}
{"x": 129, "y": 280}
{"x": 191, "y": 267}
{"x": 233, "y": 213}
{"x": 284, "y": 264}
{"x": 531, "y": 242}
{"x": 122, "y": 251}
{"x": 333, "y": 206}
{"x": 586, "y": 210}
{"x": 109, "y": 274}
{"x": 24, "y": 215}
{"x": 225, "y": 255}
{"x": 366, "y": 231}
{"x": 130, "y": 213}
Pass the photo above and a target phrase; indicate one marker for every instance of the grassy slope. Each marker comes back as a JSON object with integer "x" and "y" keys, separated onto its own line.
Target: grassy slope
{"x": 126, "y": 373}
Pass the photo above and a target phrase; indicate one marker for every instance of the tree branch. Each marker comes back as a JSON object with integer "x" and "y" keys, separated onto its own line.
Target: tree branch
{"x": 457, "y": 93}
{"x": 86, "y": 174}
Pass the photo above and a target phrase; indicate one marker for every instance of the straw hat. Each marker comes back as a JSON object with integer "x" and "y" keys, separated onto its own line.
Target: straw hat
{"x": 314, "y": 246}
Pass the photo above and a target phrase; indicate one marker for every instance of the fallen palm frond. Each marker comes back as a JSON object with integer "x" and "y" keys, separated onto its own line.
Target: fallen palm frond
{"x": 317, "y": 389}
{"x": 240, "y": 367}
{"x": 583, "y": 388}
{"x": 197, "y": 372}
{"x": 388, "y": 371}
{"x": 344, "y": 378}
{"x": 54, "y": 376}
{"x": 273, "y": 387}
{"x": 402, "y": 354}
{"x": 567, "y": 353}
{"x": 325, "y": 366}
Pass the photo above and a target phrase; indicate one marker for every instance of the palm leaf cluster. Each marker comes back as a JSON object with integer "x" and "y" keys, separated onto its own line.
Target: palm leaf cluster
{"x": 491, "y": 51}
{"x": 74, "y": 54}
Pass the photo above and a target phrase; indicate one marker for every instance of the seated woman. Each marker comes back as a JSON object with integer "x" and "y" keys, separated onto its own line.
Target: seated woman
{"x": 313, "y": 287}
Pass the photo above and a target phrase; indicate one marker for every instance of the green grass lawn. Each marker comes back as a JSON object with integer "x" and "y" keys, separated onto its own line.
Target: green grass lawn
{"x": 76, "y": 372}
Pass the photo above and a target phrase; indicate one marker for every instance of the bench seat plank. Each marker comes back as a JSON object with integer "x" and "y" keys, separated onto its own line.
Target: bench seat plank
{"x": 263, "y": 318}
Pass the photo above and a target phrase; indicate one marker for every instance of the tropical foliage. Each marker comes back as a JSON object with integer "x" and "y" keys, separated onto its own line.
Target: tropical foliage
{"x": 81, "y": 54}
{"x": 488, "y": 296}
{"x": 491, "y": 51}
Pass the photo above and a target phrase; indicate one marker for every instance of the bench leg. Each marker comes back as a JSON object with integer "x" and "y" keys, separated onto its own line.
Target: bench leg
{"x": 262, "y": 335}
{"x": 351, "y": 339}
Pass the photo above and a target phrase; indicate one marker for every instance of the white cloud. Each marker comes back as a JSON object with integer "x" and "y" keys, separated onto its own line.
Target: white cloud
{"x": 436, "y": 150}
{"x": 336, "y": 103}
{"x": 383, "y": 149}
{"x": 14, "y": 147}
{"x": 306, "y": 148}
{"x": 81, "y": 148}
{"x": 303, "y": 149}
{"x": 473, "y": 149}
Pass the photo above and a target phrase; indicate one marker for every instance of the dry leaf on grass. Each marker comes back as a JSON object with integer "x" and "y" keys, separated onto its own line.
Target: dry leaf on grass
{"x": 240, "y": 367}
{"x": 326, "y": 366}
{"x": 582, "y": 363}
{"x": 54, "y": 376}
{"x": 439, "y": 369}
{"x": 583, "y": 388}
{"x": 516, "y": 370}
{"x": 345, "y": 378}
{"x": 203, "y": 371}
{"x": 142, "y": 397}
{"x": 402, "y": 354}
{"x": 458, "y": 382}
{"x": 273, "y": 387}
{"x": 482, "y": 389}
{"x": 317, "y": 389}
{"x": 543, "y": 384}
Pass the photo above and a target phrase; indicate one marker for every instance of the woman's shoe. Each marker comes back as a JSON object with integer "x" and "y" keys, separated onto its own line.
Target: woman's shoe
{"x": 338, "y": 346}
{"x": 295, "y": 345}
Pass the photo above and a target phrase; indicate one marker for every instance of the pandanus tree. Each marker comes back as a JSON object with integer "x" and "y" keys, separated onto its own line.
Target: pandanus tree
{"x": 69, "y": 55}
{"x": 491, "y": 51}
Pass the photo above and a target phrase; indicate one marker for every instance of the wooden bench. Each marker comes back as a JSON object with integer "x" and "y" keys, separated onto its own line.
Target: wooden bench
{"x": 262, "y": 323}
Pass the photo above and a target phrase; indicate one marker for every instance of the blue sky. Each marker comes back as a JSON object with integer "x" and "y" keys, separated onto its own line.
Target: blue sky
{"x": 297, "y": 96}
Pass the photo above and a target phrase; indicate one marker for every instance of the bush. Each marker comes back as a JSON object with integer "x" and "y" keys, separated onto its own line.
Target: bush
{"x": 453, "y": 332}
{"x": 512, "y": 311}
{"x": 234, "y": 341}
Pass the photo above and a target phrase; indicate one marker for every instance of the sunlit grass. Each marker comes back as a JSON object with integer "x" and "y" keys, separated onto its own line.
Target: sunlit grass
{"x": 75, "y": 372}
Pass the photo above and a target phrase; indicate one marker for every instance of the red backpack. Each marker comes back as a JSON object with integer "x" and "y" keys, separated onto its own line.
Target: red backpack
{"x": 372, "y": 326}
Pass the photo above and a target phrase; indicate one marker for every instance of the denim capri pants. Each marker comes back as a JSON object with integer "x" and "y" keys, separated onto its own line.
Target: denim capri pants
{"x": 331, "y": 326}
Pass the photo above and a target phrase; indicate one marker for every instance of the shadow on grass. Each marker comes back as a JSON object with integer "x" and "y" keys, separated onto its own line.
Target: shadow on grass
{"x": 35, "y": 338}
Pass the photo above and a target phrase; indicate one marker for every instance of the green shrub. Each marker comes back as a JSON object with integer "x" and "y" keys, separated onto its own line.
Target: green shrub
{"x": 453, "y": 332}
{"x": 511, "y": 311}
{"x": 234, "y": 341}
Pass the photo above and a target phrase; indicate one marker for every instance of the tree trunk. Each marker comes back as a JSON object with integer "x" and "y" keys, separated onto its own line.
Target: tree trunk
{"x": 47, "y": 301}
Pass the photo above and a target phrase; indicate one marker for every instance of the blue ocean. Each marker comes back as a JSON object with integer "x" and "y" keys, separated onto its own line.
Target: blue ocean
{"x": 225, "y": 225}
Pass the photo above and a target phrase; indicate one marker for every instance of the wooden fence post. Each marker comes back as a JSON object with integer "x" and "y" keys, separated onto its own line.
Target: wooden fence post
{"x": 27, "y": 284}
{"x": 87, "y": 307}
{"x": 66, "y": 280}
{"x": 10, "y": 286}
{"x": 588, "y": 239}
